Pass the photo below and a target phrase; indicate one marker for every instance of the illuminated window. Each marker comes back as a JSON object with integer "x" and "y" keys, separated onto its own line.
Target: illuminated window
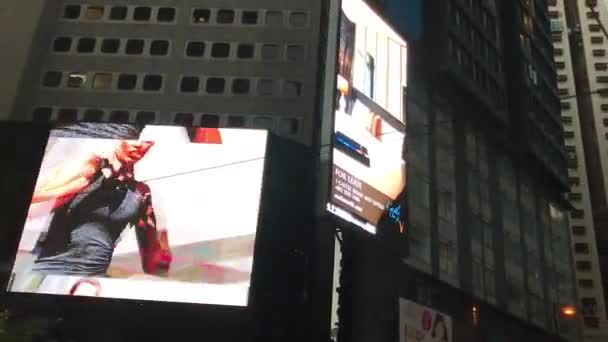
{"x": 102, "y": 81}
{"x": 201, "y": 16}
{"x": 94, "y": 12}
{"x": 76, "y": 80}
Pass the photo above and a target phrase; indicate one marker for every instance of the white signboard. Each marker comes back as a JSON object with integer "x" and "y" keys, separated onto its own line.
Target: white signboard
{"x": 418, "y": 323}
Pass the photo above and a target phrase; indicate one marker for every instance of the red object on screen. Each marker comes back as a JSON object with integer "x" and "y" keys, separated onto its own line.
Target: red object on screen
{"x": 427, "y": 320}
{"x": 207, "y": 135}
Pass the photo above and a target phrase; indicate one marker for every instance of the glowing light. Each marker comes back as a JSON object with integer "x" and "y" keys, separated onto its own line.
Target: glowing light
{"x": 568, "y": 311}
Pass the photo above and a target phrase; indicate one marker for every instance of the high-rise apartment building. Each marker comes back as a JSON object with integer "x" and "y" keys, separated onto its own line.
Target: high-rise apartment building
{"x": 212, "y": 63}
{"x": 582, "y": 71}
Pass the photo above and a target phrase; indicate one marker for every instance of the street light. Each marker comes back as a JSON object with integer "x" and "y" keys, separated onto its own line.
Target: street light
{"x": 568, "y": 311}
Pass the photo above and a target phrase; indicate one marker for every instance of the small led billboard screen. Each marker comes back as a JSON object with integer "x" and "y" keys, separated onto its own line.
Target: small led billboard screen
{"x": 368, "y": 176}
{"x": 154, "y": 213}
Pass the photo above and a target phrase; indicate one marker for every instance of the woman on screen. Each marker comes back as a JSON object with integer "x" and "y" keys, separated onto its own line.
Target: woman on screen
{"x": 440, "y": 330}
{"x": 93, "y": 202}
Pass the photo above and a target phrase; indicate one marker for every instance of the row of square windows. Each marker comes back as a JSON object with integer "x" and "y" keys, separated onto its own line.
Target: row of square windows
{"x": 198, "y": 49}
{"x": 147, "y": 14}
{"x": 187, "y": 84}
{"x": 290, "y": 126}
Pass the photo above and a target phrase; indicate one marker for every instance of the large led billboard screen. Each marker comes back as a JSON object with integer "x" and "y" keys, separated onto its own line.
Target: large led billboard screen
{"x": 144, "y": 213}
{"x": 368, "y": 173}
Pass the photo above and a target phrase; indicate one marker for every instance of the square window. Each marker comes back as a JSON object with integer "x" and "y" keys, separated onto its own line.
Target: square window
{"x": 189, "y": 84}
{"x": 236, "y": 121}
{"x": 225, "y": 16}
{"x": 67, "y": 115}
{"x": 267, "y": 87}
{"x": 210, "y": 120}
{"x": 201, "y": 16}
{"x": 159, "y": 48}
{"x": 86, "y": 45}
{"x": 42, "y": 114}
{"x": 298, "y": 19}
{"x": 110, "y": 45}
{"x": 245, "y": 51}
{"x": 195, "y": 49}
{"x": 263, "y": 122}
{"x": 71, "y": 12}
{"x": 120, "y": 116}
{"x": 102, "y": 81}
{"x": 240, "y": 86}
{"x": 293, "y": 89}
{"x": 220, "y": 50}
{"x": 135, "y": 47}
{"x": 118, "y": 13}
{"x": 93, "y": 115}
{"x": 153, "y": 82}
{"x": 249, "y": 17}
{"x": 184, "y": 119}
{"x": 62, "y": 44}
{"x": 215, "y": 85}
{"x": 94, "y": 13}
{"x": 295, "y": 53}
{"x": 166, "y": 14}
{"x": 127, "y": 81}
{"x": 144, "y": 118}
{"x": 274, "y": 18}
{"x": 270, "y": 52}
{"x": 76, "y": 80}
{"x": 142, "y": 13}
{"x": 52, "y": 79}
{"x": 289, "y": 126}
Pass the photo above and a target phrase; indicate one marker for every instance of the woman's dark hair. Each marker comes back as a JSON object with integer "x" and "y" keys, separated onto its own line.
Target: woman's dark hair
{"x": 439, "y": 319}
{"x": 97, "y": 130}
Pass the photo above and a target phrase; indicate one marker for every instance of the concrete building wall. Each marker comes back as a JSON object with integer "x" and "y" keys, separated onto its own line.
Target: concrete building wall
{"x": 582, "y": 227}
{"x": 19, "y": 22}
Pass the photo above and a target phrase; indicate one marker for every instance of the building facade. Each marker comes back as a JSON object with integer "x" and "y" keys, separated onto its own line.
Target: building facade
{"x": 227, "y": 64}
{"x": 580, "y": 50}
{"x": 487, "y": 170}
